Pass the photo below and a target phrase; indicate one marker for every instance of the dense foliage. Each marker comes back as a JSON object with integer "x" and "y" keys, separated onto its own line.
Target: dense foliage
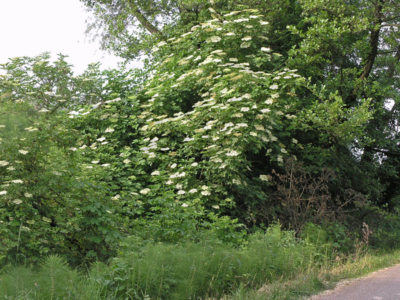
{"x": 284, "y": 112}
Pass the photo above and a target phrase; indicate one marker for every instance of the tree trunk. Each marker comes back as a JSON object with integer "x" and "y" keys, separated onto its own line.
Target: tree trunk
{"x": 142, "y": 19}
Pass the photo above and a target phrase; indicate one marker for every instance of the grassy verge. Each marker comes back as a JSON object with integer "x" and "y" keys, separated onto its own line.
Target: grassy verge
{"x": 274, "y": 265}
{"x": 317, "y": 279}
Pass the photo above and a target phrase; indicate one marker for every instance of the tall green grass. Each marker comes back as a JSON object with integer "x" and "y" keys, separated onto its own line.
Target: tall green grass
{"x": 207, "y": 270}
{"x": 190, "y": 271}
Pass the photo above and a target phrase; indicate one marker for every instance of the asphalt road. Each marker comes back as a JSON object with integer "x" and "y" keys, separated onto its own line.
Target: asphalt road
{"x": 381, "y": 285}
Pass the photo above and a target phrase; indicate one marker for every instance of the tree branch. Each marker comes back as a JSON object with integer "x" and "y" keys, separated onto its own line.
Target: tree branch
{"x": 392, "y": 66}
{"x": 387, "y": 152}
{"x": 374, "y": 41}
{"x": 373, "y": 46}
{"x": 390, "y": 25}
{"x": 142, "y": 19}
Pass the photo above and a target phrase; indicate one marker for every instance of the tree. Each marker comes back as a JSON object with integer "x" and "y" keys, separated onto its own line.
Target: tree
{"x": 131, "y": 28}
{"x": 352, "y": 47}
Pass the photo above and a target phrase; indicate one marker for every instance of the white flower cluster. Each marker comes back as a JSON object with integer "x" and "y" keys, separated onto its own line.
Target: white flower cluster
{"x": 4, "y": 163}
{"x": 231, "y": 92}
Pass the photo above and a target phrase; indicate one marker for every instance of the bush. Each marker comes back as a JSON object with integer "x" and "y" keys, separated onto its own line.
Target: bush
{"x": 383, "y": 228}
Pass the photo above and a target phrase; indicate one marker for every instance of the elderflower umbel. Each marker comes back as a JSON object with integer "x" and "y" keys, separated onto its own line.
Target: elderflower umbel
{"x": 236, "y": 181}
{"x": 259, "y": 127}
{"x": 154, "y": 140}
{"x": 116, "y": 197}
{"x": 238, "y": 115}
{"x": 232, "y": 153}
{"x": 241, "y": 20}
{"x": 213, "y": 39}
{"x": 269, "y": 101}
{"x": 145, "y": 191}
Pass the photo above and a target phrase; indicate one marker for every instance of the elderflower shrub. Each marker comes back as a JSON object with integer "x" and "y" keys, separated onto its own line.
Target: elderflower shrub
{"x": 179, "y": 151}
{"x": 48, "y": 204}
{"x": 217, "y": 102}
{"x": 194, "y": 145}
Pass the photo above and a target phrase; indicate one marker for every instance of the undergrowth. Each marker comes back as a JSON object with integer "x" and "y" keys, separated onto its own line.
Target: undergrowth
{"x": 274, "y": 265}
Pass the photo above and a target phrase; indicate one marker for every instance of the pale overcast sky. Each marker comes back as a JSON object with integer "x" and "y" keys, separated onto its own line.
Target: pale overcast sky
{"x": 31, "y": 27}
